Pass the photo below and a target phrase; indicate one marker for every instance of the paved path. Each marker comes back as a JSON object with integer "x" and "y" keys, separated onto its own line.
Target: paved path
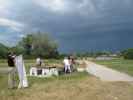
{"x": 106, "y": 74}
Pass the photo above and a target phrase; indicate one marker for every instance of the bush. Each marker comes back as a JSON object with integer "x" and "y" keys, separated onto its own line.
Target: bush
{"x": 128, "y": 54}
{"x": 3, "y": 51}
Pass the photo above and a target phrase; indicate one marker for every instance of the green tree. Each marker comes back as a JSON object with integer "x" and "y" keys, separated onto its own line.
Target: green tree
{"x": 3, "y": 51}
{"x": 17, "y": 50}
{"x": 26, "y": 43}
{"x": 127, "y": 54}
{"x": 39, "y": 44}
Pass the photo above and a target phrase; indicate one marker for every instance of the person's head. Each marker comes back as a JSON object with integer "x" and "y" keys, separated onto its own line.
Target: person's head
{"x": 69, "y": 57}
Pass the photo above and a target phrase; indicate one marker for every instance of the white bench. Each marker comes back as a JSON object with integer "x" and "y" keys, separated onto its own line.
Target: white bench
{"x": 44, "y": 72}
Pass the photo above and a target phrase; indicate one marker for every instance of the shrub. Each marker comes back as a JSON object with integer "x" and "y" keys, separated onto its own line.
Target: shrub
{"x": 128, "y": 54}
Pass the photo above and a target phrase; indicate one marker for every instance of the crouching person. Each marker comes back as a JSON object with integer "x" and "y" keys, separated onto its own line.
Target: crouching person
{"x": 12, "y": 70}
{"x": 39, "y": 62}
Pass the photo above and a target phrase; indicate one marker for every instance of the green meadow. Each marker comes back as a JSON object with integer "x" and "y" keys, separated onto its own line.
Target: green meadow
{"x": 75, "y": 86}
{"x": 119, "y": 64}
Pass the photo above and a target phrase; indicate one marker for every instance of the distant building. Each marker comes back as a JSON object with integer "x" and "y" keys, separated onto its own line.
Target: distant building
{"x": 106, "y": 57}
{"x": 113, "y": 55}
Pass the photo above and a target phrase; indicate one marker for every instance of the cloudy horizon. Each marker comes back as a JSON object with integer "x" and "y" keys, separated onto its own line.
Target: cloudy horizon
{"x": 77, "y": 25}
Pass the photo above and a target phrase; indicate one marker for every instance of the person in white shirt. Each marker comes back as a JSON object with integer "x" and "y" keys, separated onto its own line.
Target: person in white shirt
{"x": 66, "y": 65}
{"x": 38, "y": 61}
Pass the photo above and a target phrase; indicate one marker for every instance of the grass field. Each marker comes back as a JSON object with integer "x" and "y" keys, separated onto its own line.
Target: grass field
{"x": 28, "y": 64}
{"x": 122, "y": 65}
{"x": 76, "y": 86}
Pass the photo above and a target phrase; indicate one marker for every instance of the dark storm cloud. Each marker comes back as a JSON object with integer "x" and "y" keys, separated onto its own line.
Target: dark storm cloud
{"x": 78, "y": 24}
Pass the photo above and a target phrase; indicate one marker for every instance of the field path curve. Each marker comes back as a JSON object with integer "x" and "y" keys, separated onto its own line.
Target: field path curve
{"x": 106, "y": 74}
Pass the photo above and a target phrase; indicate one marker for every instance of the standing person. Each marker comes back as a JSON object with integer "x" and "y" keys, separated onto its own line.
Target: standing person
{"x": 72, "y": 62}
{"x": 67, "y": 65}
{"x": 12, "y": 70}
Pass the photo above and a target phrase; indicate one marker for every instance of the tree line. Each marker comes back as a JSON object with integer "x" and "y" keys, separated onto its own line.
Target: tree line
{"x": 42, "y": 45}
{"x": 33, "y": 45}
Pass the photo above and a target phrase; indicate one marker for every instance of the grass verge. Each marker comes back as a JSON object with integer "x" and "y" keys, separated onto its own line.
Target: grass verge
{"x": 122, "y": 65}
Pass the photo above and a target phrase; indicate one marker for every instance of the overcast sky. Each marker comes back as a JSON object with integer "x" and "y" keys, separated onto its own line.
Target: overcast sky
{"x": 77, "y": 25}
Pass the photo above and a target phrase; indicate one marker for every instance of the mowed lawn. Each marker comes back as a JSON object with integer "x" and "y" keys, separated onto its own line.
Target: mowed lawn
{"x": 75, "y": 86}
{"x": 122, "y": 65}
